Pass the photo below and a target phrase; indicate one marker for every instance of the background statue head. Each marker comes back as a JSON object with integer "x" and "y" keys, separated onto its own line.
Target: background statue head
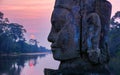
{"x": 64, "y": 34}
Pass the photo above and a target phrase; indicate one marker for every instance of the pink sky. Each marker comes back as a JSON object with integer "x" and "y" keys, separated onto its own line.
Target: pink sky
{"x": 35, "y": 16}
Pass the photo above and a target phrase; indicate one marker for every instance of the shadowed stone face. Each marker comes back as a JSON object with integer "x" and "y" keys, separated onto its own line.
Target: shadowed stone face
{"x": 64, "y": 35}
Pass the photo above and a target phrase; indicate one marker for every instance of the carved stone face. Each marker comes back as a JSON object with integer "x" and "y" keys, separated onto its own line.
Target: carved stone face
{"x": 64, "y": 35}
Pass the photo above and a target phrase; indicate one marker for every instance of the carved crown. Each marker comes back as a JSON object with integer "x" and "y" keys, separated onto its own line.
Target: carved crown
{"x": 66, "y": 3}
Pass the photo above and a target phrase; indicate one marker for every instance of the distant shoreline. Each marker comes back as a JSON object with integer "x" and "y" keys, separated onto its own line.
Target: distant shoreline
{"x": 24, "y": 54}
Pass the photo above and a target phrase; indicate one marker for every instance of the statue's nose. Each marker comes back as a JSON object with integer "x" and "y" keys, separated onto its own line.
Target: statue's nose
{"x": 51, "y": 38}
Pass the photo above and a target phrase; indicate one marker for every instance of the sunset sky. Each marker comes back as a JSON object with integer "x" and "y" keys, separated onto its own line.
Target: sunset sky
{"x": 34, "y": 15}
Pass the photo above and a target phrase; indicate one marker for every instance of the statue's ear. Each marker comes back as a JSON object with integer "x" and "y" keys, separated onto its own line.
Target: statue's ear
{"x": 103, "y": 9}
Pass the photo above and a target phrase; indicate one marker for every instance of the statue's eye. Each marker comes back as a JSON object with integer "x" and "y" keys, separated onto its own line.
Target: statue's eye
{"x": 57, "y": 25}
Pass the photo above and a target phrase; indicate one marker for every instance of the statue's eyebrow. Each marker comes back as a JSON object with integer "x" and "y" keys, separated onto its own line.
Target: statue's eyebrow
{"x": 62, "y": 6}
{"x": 55, "y": 21}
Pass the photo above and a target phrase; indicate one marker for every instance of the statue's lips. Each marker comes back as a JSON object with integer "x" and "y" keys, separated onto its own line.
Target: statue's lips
{"x": 54, "y": 49}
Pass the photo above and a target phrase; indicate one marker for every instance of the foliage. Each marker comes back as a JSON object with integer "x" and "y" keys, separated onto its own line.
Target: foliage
{"x": 115, "y": 64}
{"x": 115, "y": 33}
{"x": 115, "y": 43}
{"x": 12, "y": 38}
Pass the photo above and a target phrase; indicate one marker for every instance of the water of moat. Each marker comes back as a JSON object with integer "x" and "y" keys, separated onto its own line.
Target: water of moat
{"x": 27, "y": 64}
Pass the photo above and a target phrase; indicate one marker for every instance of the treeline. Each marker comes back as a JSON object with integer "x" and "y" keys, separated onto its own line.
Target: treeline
{"x": 115, "y": 33}
{"x": 12, "y": 38}
{"x": 115, "y": 43}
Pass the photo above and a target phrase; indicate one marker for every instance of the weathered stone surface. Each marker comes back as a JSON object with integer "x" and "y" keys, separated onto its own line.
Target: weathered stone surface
{"x": 76, "y": 71}
{"x": 65, "y": 30}
{"x": 79, "y": 36}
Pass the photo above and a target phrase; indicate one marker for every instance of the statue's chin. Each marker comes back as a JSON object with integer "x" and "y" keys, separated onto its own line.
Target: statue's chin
{"x": 60, "y": 58}
{"x": 63, "y": 57}
{"x": 57, "y": 58}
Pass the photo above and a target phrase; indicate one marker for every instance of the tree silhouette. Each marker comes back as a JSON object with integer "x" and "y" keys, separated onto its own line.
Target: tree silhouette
{"x": 12, "y": 38}
{"x": 10, "y": 33}
{"x": 115, "y": 33}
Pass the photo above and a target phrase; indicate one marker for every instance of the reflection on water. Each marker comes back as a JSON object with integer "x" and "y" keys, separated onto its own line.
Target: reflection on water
{"x": 27, "y": 64}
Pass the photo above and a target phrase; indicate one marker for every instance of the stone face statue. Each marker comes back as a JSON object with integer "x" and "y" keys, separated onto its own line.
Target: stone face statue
{"x": 65, "y": 30}
{"x": 79, "y": 36}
